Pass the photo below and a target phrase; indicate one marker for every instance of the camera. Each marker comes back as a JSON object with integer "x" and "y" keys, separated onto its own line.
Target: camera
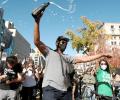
{"x": 36, "y": 12}
{"x": 10, "y": 74}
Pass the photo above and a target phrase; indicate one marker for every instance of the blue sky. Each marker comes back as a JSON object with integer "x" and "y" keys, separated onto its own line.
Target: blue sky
{"x": 56, "y": 21}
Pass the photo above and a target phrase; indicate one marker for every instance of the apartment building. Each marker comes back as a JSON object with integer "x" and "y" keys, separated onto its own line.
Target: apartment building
{"x": 114, "y": 30}
{"x": 37, "y": 57}
{"x": 19, "y": 46}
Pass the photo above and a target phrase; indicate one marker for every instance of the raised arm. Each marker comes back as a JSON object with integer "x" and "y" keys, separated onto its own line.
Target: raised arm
{"x": 39, "y": 44}
{"x": 84, "y": 59}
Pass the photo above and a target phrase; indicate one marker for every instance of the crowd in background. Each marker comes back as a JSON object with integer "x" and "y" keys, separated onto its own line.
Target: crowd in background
{"x": 97, "y": 83}
{"x": 23, "y": 81}
{"x": 20, "y": 81}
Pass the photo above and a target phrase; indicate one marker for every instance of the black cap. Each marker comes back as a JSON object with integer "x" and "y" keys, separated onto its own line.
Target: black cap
{"x": 62, "y": 38}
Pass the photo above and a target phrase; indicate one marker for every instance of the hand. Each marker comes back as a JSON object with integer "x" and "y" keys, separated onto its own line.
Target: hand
{"x": 8, "y": 82}
{"x": 108, "y": 55}
{"x": 4, "y": 76}
{"x": 37, "y": 18}
{"x": 38, "y": 12}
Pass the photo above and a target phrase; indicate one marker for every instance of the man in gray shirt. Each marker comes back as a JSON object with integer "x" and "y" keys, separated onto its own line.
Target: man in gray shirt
{"x": 58, "y": 66}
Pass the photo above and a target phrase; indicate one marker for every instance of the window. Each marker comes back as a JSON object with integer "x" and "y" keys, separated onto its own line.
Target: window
{"x": 35, "y": 63}
{"x": 114, "y": 37}
{"x": 112, "y": 28}
{"x": 115, "y": 43}
{"x": 119, "y": 28}
{"x": 36, "y": 57}
{"x": 111, "y": 42}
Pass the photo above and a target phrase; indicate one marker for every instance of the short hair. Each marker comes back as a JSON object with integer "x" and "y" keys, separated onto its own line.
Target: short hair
{"x": 11, "y": 60}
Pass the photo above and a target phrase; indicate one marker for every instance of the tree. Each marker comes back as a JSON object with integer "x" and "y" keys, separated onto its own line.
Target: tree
{"x": 90, "y": 37}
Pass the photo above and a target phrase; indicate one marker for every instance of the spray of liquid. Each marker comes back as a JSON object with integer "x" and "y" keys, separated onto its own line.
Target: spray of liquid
{"x": 4, "y": 2}
{"x": 71, "y": 8}
{"x": 35, "y": 0}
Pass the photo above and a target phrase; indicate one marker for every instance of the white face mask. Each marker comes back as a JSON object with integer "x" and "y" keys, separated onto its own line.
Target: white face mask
{"x": 103, "y": 67}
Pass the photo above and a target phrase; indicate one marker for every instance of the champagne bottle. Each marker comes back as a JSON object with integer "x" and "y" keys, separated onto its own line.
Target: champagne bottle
{"x": 37, "y": 11}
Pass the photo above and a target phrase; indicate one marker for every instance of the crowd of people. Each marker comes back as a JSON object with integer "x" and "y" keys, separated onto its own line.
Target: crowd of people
{"x": 98, "y": 84}
{"x": 23, "y": 81}
{"x": 19, "y": 81}
{"x": 57, "y": 84}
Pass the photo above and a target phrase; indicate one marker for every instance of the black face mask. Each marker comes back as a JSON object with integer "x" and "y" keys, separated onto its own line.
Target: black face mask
{"x": 62, "y": 47}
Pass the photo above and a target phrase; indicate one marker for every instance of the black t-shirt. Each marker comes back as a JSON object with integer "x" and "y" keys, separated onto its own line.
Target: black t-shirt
{"x": 2, "y": 67}
{"x": 17, "y": 68}
{"x": 11, "y": 74}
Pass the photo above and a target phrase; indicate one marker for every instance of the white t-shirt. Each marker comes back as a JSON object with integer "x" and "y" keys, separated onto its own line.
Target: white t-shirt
{"x": 53, "y": 74}
{"x": 29, "y": 80}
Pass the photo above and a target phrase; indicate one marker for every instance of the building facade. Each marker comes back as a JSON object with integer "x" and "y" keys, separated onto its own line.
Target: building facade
{"x": 113, "y": 44}
{"x": 19, "y": 46}
{"x": 114, "y": 30}
{"x": 37, "y": 57}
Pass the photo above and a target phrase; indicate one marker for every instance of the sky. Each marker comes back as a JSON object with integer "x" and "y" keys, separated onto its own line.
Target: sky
{"x": 57, "y": 20}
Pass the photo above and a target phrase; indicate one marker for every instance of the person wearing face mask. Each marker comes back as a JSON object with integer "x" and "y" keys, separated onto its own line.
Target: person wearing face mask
{"x": 56, "y": 82}
{"x": 104, "y": 79}
{"x": 30, "y": 76}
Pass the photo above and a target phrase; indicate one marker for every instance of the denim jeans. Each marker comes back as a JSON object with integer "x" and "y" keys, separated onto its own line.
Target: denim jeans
{"x": 51, "y": 93}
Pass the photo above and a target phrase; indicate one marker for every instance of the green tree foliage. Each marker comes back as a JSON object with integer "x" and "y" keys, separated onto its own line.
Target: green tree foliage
{"x": 90, "y": 35}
